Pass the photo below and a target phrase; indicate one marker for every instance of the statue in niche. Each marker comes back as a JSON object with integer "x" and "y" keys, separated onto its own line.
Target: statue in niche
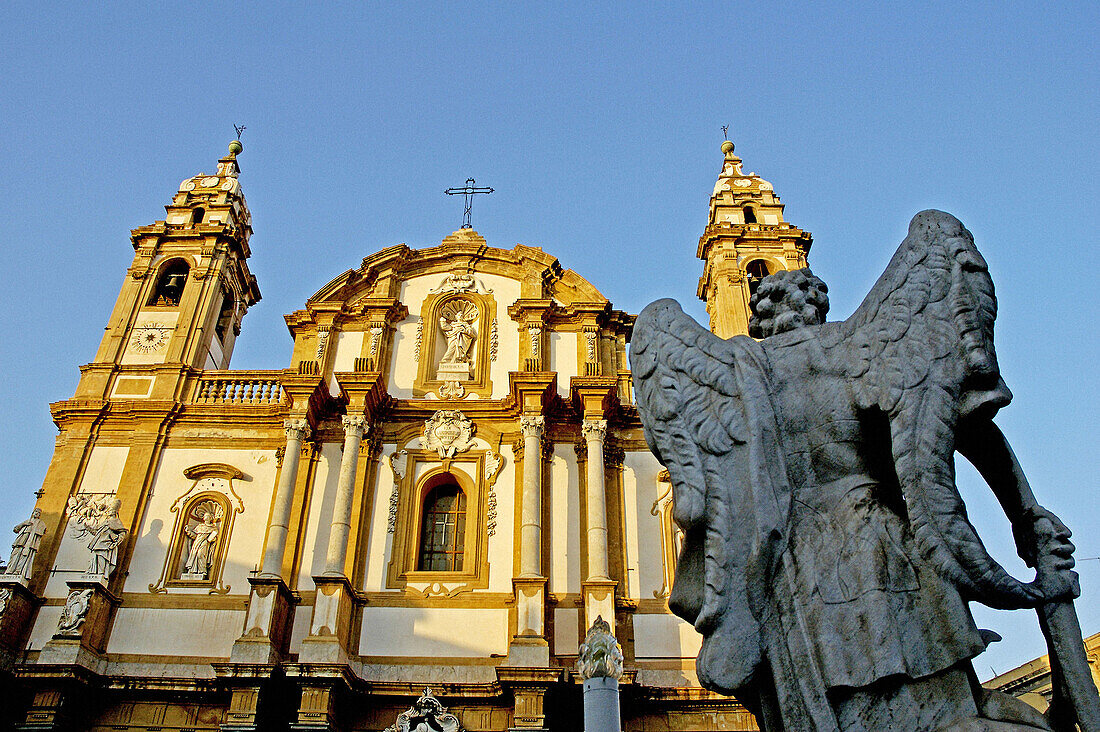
{"x": 201, "y": 532}
{"x": 827, "y": 557}
{"x": 28, "y": 535}
{"x": 96, "y": 520}
{"x": 457, "y": 324}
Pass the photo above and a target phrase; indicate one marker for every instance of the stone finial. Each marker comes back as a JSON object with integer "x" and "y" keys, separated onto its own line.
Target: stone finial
{"x": 600, "y": 653}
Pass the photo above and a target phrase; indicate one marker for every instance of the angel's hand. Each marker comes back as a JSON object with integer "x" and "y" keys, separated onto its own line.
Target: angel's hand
{"x": 1054, "y": 563}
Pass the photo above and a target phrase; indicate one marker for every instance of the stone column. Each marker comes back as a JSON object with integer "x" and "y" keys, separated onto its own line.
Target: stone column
{"x": 354, "y": 429}
{"x": 334, "y": 605}
{"x": 296, "y": 431}
{"x": 529, "y": 646}
{"x": 530, "y": 533}
{"x": 600, "y": 664}
{"x": 595, "y": 430}
{"x": 599, "y": 588}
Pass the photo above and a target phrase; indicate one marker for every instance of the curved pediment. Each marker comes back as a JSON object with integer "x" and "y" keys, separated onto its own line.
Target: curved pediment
{"x": 464, "y": 252}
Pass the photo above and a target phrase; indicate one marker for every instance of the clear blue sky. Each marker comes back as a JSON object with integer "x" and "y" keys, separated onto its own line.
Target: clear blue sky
{"x": 599, "y": 129}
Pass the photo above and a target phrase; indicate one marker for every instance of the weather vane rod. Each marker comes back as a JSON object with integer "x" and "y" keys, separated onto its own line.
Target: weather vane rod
{"x": 239, "y": 129}
{"x": 468, "y": 191}
{"x": 725, "y": 131}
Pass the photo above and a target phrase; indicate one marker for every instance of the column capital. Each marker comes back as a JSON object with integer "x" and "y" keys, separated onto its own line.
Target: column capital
{"x": 594, "y": 429}
{"x": 296, "y": 429}
{"x": 355, "y": 424}
{"x": 532, "y": 426}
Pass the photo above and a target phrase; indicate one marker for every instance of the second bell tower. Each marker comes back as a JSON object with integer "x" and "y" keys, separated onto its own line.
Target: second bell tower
{"x": 184, "y": 296}
{"x": 746, "y": 239}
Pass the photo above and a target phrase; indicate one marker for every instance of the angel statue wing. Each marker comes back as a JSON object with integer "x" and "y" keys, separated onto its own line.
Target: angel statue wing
{"x": 921, "y": 351}
{"x": 707, "y": 415}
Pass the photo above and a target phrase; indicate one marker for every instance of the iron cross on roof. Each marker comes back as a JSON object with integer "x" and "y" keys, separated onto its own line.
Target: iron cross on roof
{"x": 468, "y": 191}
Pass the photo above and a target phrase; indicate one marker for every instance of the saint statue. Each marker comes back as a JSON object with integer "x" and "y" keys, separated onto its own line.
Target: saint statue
{"x": 204, "y": 537}
{"x": 28, "y": 535}
{"x": 827, "y": 559}
{"x": 457, "y": 325}
{"x": 105, "y": 541}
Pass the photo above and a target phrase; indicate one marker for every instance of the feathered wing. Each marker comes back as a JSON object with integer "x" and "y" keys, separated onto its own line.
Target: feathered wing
{"x": 924, "y": 330}
{"x": 706, "y": 410}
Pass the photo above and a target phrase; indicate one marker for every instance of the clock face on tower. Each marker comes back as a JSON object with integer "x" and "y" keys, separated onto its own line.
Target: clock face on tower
{"x": 149, "y": 338}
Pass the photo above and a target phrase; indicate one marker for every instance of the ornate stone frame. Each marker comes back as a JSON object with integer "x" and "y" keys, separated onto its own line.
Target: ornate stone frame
{"x": 480, "y": 383}
{"x": 232, "y": 505}
{"x": 671, "y": 536}
{"x": 470, "y": 472}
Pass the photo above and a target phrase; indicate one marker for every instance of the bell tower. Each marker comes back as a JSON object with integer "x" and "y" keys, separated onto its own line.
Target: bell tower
{"x": 181, "y": 304}
{"x": 745, "y": 240}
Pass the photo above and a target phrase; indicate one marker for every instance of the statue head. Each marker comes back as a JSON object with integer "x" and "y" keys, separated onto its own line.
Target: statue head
{"x": 36, "y": 513}
{"x": 787, "y": 300}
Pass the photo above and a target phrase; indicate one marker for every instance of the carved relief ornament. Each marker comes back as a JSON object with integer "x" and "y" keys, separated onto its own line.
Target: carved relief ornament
{"x": 449, "y": 431}
{"x": 426, "y": 713}
{"x": 460, "y": 282}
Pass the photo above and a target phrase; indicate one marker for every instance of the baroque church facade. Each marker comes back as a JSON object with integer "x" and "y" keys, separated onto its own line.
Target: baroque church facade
{"x": 427, "y": 507}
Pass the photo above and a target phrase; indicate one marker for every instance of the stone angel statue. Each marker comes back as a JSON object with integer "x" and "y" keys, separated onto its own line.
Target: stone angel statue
{"x": 827, "y": 557}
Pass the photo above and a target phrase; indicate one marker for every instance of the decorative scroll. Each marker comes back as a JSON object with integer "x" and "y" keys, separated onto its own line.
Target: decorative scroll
{"x": 425, "y": 715}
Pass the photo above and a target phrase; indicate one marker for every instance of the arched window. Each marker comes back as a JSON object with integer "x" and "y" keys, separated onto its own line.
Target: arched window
{"x": 225, "y": 317}
{"x": 197, "y": 215}
{"x": 750, "y": 215}
{"x": 169, "y": 287}
{"x": 443, "y": 526}
{"x": 756, "y": 270}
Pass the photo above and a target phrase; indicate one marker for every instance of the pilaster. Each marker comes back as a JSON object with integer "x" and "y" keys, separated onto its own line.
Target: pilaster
{"x": 267, "y": 623}
{"x": 17, "y": 609}
{"x": 529, "y": 687}
{"x": 84, "y": 627}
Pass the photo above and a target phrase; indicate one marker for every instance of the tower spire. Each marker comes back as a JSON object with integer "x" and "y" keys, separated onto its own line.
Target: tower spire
{"x": 745, "y": 239}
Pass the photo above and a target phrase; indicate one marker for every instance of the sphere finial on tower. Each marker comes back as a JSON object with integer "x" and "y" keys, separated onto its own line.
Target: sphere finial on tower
{"x": 727, "y": 147}
{"x": 235, "y": 147}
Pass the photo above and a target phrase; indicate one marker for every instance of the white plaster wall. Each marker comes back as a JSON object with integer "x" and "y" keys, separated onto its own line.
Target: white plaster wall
{"x": 379, "y": 540}
{"x": 664, "y": 636}
{"x": 45, "y": 625}
{"x": 403, "y": 366}
{"x": 319, "y": 518}
{"x": 500, "y": 544}
{"x": 565, "y": 521}
{"x": 175, "y": 632}
{"x": 246, "y": 541}
{"x": 101, "y": 475}
{"x": 349, "y": 344}
{"x": 437, "y": 632}
{"x": 166, "y": 318}
{"x": 643, "y": 529}
{"x": 104, "y": 469}
{"x": 563, "y": 359}
{"x": 566, "y": 629}
{"x": 299, "y": 629}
